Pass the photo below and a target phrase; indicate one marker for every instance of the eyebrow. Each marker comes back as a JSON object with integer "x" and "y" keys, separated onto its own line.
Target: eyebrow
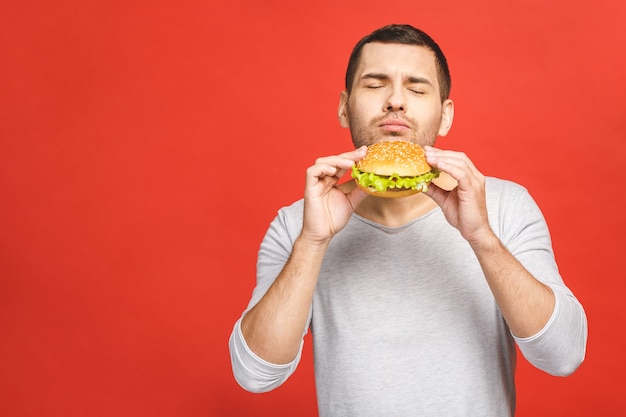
{"x": 384, "y": 77}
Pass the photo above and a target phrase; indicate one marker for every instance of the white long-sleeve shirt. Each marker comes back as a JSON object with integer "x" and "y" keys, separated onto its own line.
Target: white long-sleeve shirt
{"x": 403, "y": 321}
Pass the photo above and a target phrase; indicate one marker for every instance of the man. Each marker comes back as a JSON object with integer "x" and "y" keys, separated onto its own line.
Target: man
{"x": 415, "y": 303}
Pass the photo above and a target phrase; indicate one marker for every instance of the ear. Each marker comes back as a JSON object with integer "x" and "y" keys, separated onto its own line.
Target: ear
{"x": 447, "y": 115}
{"x": 342, "y": 111}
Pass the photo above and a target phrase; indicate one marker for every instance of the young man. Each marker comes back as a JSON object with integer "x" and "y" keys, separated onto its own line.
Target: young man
{"x": 415, "y": 303}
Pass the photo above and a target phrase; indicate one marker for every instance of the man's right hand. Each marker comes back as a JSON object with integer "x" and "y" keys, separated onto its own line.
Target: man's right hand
{"x": 327, "y": 208}
{"x": 274, "y": 327}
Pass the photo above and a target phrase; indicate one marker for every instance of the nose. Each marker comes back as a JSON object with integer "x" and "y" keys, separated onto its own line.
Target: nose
{"x": 396, "y": 101}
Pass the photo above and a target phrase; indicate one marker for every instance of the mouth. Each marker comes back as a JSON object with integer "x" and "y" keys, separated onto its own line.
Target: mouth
{"x": 394, "y": 125}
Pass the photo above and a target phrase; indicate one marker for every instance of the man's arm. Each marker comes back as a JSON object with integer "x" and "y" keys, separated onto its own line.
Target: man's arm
{"x": 548, "y": 323}
{"x": 273, "y": 328}
{"x": 526, "y": 303}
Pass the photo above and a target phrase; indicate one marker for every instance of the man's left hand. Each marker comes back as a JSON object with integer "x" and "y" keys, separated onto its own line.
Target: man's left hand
{"x": 464, "y": 206}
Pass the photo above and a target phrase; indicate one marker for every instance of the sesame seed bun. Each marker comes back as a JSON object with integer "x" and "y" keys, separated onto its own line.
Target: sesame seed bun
{"x": 403, "y": 158}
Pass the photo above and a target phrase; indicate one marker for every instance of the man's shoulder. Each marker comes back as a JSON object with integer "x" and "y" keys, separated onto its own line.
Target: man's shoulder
{"x": 295, "y": 209}
{"x": 290, "y": 216}
{"x": 500, "y": 186}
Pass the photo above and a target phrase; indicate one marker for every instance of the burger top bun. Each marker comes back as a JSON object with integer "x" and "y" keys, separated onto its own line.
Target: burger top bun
{"x": 399, "y": 157}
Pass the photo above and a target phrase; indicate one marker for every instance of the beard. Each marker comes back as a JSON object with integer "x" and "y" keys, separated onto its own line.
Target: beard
{"x": 368, "y": 133}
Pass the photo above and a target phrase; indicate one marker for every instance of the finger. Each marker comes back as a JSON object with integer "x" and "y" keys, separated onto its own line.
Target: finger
{"x": 337, "y": 161}
{"x": 438, "y": 157}
{"x": 356, "y": 154}
{"x": 319, "y": 170}
{"x": 458, "y": 160}
{"x": 438, "y": 194}
{"x": 336, "y": 165}
{"x": 457, "y": 164}
{"x": 353, "y": 155}
{"x": 356, "y": 196}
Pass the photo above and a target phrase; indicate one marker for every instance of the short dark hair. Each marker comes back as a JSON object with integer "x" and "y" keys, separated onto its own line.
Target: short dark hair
{"x": 407, "y": 35}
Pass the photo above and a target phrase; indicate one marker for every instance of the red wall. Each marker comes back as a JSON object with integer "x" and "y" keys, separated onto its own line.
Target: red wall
{"x": 145, "y": 146}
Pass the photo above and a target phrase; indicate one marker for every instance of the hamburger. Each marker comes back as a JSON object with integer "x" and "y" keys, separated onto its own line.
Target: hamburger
{"x": 393, "y": 169}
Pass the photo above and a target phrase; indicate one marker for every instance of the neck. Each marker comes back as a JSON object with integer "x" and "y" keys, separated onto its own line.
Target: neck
{"x": 395, "y": 212}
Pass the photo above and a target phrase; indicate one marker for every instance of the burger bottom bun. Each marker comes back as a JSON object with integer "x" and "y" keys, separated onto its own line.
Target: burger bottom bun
{"x": 388, "y": 193}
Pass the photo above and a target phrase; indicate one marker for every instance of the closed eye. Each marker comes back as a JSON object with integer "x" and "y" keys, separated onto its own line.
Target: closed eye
{"x": 419, "y": 85}
{"x": 374, "y": 80}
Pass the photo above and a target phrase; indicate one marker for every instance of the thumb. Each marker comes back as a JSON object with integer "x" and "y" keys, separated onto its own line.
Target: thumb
{"x": 438, "y": 194}
{"x": 356, "y": 196}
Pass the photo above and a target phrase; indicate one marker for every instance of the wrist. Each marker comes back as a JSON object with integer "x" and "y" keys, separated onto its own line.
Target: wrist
{"x": 311, "y": 245}
{"x": 485, "y": 241}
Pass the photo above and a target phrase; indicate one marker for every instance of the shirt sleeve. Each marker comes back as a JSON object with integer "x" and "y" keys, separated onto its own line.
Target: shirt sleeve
{"x": 252, "y": 372}
{"x": 559, "y": 348}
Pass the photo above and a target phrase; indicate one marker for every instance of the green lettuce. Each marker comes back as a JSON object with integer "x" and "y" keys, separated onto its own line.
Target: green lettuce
{"x": 385, "y": 182}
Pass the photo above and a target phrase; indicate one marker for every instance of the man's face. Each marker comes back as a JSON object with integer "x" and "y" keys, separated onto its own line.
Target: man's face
{"x": 395, "y": 96}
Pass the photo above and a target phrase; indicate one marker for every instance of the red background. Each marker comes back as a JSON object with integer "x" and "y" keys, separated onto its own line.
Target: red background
{"x": 146, "y": 145}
